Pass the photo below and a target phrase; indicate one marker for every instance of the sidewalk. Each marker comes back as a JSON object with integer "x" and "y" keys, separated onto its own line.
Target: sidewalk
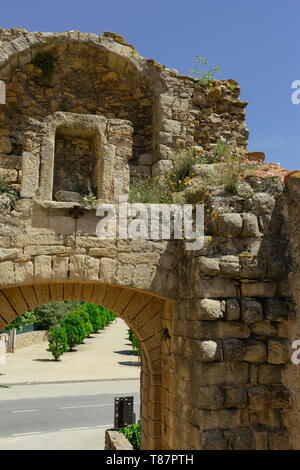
{"x": 106, "y": 355}
{"x": 87, "y": 439}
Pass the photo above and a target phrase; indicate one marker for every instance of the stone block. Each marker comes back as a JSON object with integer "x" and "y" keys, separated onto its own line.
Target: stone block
{"x": 263, "y": 203}
{"x": 208, "y": 266}
{"x": 233, "y": 310}
{"x": 230, "y": 225}
{"x": 230, "y": 266}
{"x": 256, "y": 351}
{"x": 252, "y": 311}
{"x": 206, "y": 398}
{"x": 235, "y": 397}
{"x": 76, "y": 268}
{"x": 5, "y": 145}
{"x": 280, "y": 440}
{"x": 24, "y": 272}
{"x": 234, "y": 329}
{"x": 250, "y": 226}
{"x": 208, "y": 351}
{"x": 243, "y": 440}
{"x": 218, "y": 373}
{"x": 60, "y": 269}
{"x": 233, "y": 350}
{"x": 258, "y": 289}
{"x": 278, "y": 351}
{"x": 162, "y": 168}
{"x": 277, "y": 310}
{"x": 209, "y": 309}
{"x": 218, "y": 288}
{"x": 30, "y": 175}
{"x": 42, "y": 269}
{"x": 269, "y": 374}
{"x": 214, "y": 440}
{"x": 263, "y": 328}
{"x": 107, "y": 270}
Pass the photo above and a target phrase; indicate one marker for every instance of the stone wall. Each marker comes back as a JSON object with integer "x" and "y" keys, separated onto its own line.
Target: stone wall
{"x": 291, "y": 286}
{"x": 104, "y": 76}
{"x": 26, "y": 339}
{"x": 115, "y": 440}
{"x": 33, "y": 337}
{"x": 231, "y": 342}
{"x": 216, "y": 325}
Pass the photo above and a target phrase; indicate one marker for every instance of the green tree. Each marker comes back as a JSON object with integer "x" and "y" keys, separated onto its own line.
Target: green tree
{"x": 95, "y": 317}
{"x": 57, "y": 341}
{"x": 53, "y": 313}
{"x": 83, "y": 313}
{"x": 75, "y": 330}
{"x": 134, "y": 342}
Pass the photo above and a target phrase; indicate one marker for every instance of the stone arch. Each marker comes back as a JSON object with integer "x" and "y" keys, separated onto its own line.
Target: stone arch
{"x": 143, "y": 312}
{"x": 98, "y": 75}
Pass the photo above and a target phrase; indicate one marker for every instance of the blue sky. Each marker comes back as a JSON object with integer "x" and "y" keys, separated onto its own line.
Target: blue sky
{"x": 254, "y": 42}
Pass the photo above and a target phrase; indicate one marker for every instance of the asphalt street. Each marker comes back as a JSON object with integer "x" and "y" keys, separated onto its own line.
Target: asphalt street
{"x": 61, "y": 413}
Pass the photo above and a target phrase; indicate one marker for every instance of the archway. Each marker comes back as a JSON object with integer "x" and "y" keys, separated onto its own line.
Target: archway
{"x": 144, "y": 313}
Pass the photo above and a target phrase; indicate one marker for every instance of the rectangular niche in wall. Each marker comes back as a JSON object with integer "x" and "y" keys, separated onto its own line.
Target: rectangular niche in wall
{"x": 75, "y": 161}
{"x": 79, "y": 153}
{"x": 77, "y": 156}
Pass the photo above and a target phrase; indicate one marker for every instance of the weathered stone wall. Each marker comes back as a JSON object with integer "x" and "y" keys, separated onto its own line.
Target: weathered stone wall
{"x": 33, "y": 337}
{"x": 104, "y": 76}
{"x": 230, "y": 334}
{"x": 115, "y": 440}
{"x": 27, "y": 339}
{"x": 216, "y": 324}
{"x": 291, "y": 286}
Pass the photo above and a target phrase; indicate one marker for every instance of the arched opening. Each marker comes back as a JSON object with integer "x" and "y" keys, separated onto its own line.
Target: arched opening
{"x": 83, "y": 79}
{"x": 144, "y": 313}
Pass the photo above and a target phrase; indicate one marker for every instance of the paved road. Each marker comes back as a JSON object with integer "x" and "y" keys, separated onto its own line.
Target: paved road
{"x": 39, "y": 415}
{"x": 57, "y": 418}
{"x": 59, "y": 405}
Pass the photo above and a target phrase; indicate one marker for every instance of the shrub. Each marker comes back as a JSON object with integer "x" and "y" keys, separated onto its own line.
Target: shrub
{"x": 94, "y": 315}
{"x": 106, "y": 316}
{"x": 83, "y": 313}
{"x": 53, "y": 313}
{"x": 57, "y": 341}
{"x": 133, "y": 434}
{"x": 149, "y": 190}
{"x": 75, "y": 330}
{"x": 134, "y": 342}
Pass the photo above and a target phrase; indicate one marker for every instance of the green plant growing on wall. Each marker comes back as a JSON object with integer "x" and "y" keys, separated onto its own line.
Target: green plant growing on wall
{"x": 222, "y": 149}
{"x": 202, "y": 73}
{"x": 57, "y": 341}
{"x": 89, "y": 200}
{"x": 149, "y": 190}
{"x": 13, "y": 194}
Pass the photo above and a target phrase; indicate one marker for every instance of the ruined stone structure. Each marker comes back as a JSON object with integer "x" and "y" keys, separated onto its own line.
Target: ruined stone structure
{"x": 216, "y": 325}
